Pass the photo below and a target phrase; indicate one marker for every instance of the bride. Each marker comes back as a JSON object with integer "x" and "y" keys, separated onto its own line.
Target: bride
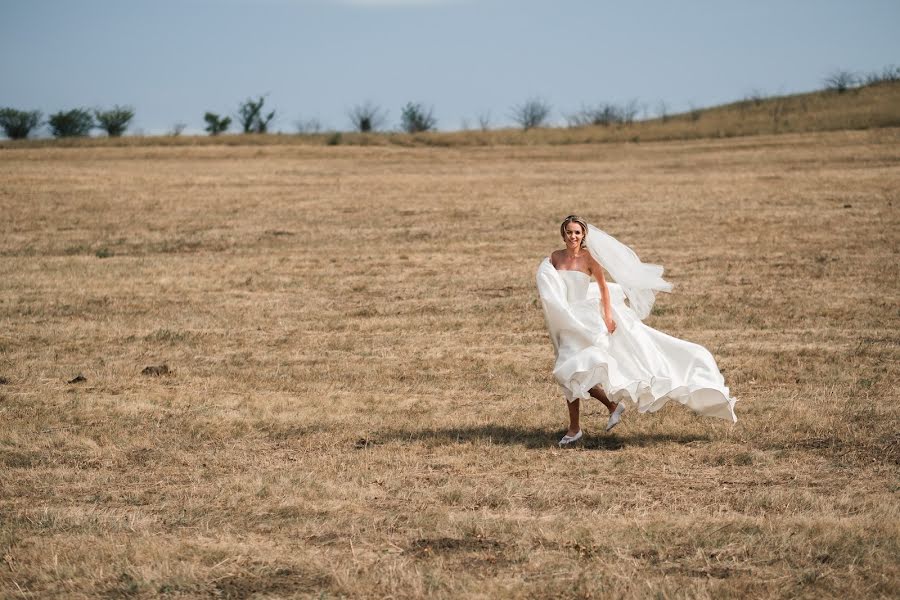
{"x": 603, "y": 350}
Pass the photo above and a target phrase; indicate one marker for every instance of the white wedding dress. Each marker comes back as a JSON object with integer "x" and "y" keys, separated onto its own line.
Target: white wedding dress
{"x": 637, "y": 364}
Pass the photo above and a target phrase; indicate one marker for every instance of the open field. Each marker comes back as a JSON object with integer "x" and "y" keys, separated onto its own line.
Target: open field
{"x": 360, "y": 401}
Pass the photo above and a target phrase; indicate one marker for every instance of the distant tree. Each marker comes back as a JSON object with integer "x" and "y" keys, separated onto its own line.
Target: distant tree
{"x": 662, "y": 110}
{"x": 77, "y": 122}
{"x": 580, "y": 118}
{"x": 251, "y": 117}
{"x": 755, "y": 96}
{"x": 840, "y": 81}
{"x": 114, "y": 121}
{"x": 603, "y": 114}
{"x": 534, "y": 112}
{"x": 414, "y": 117}
{"x": 177, "y": 129}
{"x": 17, "y": 124}
{"x": 630, "y": 110}
{"x": 779, "y": 109}
{"x": 216, "y": 124}
{"x": 367, "y": 117}
{"x": 695, "y": 112}
{"x": 484, "y": 120}
{"x": 312, "y": 125}
{"x": 888, "y": 74}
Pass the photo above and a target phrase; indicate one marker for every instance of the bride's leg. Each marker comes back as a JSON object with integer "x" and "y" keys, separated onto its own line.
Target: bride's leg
{"x": 574, "y": 417}
{"x": 598, "y": 393}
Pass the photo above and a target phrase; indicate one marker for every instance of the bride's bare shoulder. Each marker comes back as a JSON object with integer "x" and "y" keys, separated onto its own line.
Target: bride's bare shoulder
{"x": 554, "y": 257}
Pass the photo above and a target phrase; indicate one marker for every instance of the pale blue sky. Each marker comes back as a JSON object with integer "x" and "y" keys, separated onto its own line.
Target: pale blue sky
{"x": 175, "y": 59}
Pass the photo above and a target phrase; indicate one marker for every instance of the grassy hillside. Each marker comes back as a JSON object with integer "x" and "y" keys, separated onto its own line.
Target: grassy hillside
{"x": 359, "y": 400}
{"x": 868, "y": 107}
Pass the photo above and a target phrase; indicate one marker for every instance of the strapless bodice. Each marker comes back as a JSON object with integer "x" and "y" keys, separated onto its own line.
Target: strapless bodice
{"x": 578, "y": 284}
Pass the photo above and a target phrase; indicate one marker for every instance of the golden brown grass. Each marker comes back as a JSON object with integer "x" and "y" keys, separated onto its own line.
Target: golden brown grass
{"x": 360, "y": 401}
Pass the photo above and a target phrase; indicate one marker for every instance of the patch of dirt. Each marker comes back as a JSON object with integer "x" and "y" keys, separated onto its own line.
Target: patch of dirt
{"x": 281, "y": 582}
{"x": 20, "y": 460}
{"x": 476, "y": 555}
{"x": 156, "y": 371}
{"x": 446, "y": 545}
{"x": 142, "y": 456}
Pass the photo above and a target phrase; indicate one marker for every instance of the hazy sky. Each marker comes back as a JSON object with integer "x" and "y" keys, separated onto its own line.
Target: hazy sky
{"x": 175, "y": 59}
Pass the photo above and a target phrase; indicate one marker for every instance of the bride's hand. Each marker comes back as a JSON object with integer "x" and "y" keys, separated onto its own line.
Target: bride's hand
{"x": 611, "y": 325}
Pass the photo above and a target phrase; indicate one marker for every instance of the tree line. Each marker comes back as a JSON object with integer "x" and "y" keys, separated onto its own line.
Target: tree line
{"x": 415, "y": 117}
{"x": 78, "y": 122}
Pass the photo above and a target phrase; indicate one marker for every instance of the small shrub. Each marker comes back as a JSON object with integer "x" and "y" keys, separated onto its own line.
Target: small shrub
{"x": 534, "y": 112}
{"x": 308, "y": 125}
{"x": 18, "y": 124}
{"x": 367, "y": 117}
{"x": 603, "y": 114}
{"x": 695, "y": 113}
{"x": 755, "y": 97}
{"x": 662, "y": 111}
{"x": 77, "y": 122}
{"x": 779, "y": 109}
{"x": 484, "y": 121}
{"x": 216, "y": 124}
{"x": 114, "y": 121}
{"x": 415, "y": 118}
{"x": 334, "y": 139}
{"x": 888, "y": 74}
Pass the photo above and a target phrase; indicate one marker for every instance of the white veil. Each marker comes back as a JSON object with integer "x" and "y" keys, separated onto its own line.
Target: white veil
{"x": 640, "y": 281}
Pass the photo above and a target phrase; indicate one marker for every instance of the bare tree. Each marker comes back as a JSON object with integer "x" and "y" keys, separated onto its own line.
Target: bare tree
{"x": 312, "y": 125}
{"x": 177, "y": 129}
{"x": 484, "y": 120}
{"x": 662, "y": 111}
{"x": 695, "y": 111}
{"x": 887, "y": 74}
{"x": 534, "y": 112}
{"x": 755, "y": 96}
{"x": 580, "y": 118}
{"x": 779, "y": 108}
{"x": 840, "y": 81}
{"x": 367, "y": 117}
{"x": 601, "y": 114}
{"x": 630, "y": 110}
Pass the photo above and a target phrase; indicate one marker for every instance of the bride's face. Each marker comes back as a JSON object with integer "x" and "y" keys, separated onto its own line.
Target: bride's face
{"x": 573, "y": 236}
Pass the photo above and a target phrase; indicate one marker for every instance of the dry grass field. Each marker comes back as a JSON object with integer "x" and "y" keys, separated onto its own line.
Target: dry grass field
{"x": 359, "y": 400}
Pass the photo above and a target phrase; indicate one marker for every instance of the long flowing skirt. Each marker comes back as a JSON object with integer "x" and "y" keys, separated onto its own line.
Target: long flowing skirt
{"x": 637, "y": 364}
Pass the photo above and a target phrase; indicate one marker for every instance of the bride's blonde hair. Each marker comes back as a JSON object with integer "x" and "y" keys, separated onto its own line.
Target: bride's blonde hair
{"x": 574, "y": 219}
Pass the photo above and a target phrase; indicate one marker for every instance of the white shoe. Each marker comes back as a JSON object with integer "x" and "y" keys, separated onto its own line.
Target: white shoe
{"x": 568, "y": 440}
{"x": 616, "y": 416}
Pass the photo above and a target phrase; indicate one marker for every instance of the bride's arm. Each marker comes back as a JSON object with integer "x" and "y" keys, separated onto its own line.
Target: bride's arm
{"x": 597, "y": 272}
